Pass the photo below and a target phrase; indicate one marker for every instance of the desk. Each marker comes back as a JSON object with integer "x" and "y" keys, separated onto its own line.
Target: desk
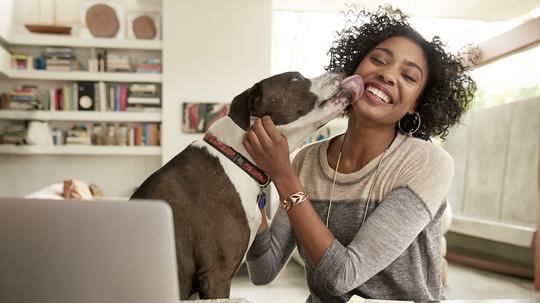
{"x": 240, "y": 300}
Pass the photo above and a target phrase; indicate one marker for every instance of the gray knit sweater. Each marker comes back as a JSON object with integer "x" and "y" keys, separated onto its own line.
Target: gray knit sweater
{"x": 395, "y": 254}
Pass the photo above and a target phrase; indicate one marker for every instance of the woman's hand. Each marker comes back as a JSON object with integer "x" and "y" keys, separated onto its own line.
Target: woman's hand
{"x": 268, "y": 148}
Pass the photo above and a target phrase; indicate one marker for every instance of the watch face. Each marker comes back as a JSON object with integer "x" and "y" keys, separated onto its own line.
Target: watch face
{"x": 85, "y": 102}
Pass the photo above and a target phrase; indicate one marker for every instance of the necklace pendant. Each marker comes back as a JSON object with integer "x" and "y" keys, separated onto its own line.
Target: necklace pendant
{"x": 261, "y": 199}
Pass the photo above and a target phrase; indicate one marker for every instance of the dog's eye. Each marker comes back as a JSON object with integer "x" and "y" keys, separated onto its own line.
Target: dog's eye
{"x": 295, "y": 78}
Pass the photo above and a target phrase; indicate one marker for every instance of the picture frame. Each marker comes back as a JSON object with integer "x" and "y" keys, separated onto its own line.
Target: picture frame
{"x": 197, "y": 117}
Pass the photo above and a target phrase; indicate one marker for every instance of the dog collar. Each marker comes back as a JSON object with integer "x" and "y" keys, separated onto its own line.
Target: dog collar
{"x": 251, "y": 169}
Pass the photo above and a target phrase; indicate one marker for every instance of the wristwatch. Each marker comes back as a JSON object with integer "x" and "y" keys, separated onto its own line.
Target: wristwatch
{"x": 294, "y": 200}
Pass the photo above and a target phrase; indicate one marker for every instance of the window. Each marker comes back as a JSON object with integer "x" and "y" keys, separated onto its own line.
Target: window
{"x": 509, "y": 79}
{"x": 300, "y": 41}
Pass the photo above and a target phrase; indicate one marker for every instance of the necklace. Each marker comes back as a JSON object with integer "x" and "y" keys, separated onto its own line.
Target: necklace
{"x": 370, "y": 189}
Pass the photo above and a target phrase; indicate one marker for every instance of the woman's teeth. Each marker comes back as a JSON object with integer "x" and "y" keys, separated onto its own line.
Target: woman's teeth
{"x": 379, "y": 93}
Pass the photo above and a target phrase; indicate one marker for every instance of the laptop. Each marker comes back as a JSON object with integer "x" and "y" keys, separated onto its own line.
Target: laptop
{"x": 87, "y": 251}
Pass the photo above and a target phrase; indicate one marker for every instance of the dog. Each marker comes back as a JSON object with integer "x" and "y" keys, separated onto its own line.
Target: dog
{"x": 213, "y": 185}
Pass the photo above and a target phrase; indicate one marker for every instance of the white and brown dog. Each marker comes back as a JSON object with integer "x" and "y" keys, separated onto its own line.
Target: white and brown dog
{"x": 212, "y": 186}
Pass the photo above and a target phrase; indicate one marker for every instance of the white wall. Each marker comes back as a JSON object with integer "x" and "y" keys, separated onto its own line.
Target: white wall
{"x": 6, "y": 15}
{"x": 116, "y": 176}
{"x": 213, "y": 50}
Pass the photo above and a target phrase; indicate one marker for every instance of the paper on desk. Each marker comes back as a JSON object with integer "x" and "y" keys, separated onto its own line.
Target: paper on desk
{"x": 358, "y": 299}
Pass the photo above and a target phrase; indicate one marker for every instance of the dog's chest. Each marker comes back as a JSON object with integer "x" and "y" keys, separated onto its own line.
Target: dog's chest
{"x": 246, "y": 187}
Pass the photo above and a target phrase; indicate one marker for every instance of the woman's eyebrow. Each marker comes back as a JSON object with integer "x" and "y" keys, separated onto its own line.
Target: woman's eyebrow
{"x": 386, "y": 50}
{"x": 412, "y": 64}
{"x": 409, "y": 63}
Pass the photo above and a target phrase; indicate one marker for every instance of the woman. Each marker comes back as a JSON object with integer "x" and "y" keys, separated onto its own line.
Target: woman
{"x": 364, "y": 207}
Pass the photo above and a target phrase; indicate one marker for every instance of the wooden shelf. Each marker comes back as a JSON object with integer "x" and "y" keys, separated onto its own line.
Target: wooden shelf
{"x": 83, "y": 76}
{"x": 70, "y": 41}
{"x": 80, "y": 116}
{"x": 81, "y": 150}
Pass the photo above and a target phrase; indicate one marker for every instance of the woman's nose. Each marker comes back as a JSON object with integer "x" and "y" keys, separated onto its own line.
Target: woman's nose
{"x": 387, "y": 76}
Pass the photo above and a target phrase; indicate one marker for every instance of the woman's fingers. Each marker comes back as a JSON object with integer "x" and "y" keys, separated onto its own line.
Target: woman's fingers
{"x": 267, "y": 147}
{"x": 264, "y": 138}
{"x": 271, "y": 130}
{"x": 261, "y": 132}
{"x": 252, "y": 139}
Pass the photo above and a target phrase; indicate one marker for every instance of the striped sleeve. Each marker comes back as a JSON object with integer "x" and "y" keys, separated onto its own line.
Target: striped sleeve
{"x": 385, "y": 235}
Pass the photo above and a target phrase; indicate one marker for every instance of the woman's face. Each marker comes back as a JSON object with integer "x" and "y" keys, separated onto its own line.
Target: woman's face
{"x": 395, "y": 73}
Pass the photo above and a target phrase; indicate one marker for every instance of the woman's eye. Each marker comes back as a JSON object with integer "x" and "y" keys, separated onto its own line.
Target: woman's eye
{"x": 376, "y": 60}
{"x": 409, "y": 78}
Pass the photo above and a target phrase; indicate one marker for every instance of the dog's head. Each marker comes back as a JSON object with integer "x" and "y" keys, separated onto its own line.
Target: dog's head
{"x": 297, "y": 105}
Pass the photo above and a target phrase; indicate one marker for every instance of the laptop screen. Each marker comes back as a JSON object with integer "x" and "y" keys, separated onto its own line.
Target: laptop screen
{"x": 86, "y": 251}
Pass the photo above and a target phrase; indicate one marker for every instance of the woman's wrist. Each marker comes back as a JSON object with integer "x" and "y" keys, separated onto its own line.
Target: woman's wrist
{"x": 287, "y": 184}
{"x": 294, "y": 200}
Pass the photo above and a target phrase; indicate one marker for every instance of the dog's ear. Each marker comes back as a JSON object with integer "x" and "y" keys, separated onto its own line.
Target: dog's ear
{"x": 243, "y": 105}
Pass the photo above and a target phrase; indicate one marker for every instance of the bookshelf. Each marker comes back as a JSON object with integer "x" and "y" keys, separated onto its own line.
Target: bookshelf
{"x": 82, "y": 76}
{"x": 81, "y": 150}
{"x": 117, "y": 169}
{"x": 62, "y": 41}
{"x": 83, "y": 116}
{"x": 48, "y": 81}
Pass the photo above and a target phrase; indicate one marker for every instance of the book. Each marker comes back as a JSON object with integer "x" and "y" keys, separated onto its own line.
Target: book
{"x": 103, "y": 96}
{"x": 143, "y": 100}
{"x": 142, "y": 108}
{"x": 123, "y": 98}
{"x": 141, "y": 88}
{"x": 59, "y": 68}
{"x": 4, "y": 101}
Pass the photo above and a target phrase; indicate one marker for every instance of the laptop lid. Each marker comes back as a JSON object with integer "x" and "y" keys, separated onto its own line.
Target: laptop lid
{"x": 86, "y": 251}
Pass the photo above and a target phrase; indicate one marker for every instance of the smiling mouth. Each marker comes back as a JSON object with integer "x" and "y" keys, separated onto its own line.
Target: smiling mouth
{"x": 379, "y": 94}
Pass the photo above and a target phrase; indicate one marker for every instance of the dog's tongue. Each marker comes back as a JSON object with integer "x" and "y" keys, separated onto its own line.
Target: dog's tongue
{"x": 354, "y": 85}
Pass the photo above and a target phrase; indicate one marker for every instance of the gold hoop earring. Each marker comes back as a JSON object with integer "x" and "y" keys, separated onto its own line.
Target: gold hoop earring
{"x": 411, "y": 122}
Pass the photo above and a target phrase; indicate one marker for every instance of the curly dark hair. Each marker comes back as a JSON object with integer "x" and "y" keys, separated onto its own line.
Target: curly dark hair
{"x": 449, "y": 89}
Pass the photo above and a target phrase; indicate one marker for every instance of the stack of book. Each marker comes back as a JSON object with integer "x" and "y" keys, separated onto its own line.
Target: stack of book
{"x": 149, "y": 66}
{"x": 25, "y": 97}
{"x": 13, "y": 133}
{"x": 117, "y": 63}
{"x": 78, "y": 135}
{"x": 21, "y": 61}
{"x": 59, "y": 59}
{"x": 143, "y": 97}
